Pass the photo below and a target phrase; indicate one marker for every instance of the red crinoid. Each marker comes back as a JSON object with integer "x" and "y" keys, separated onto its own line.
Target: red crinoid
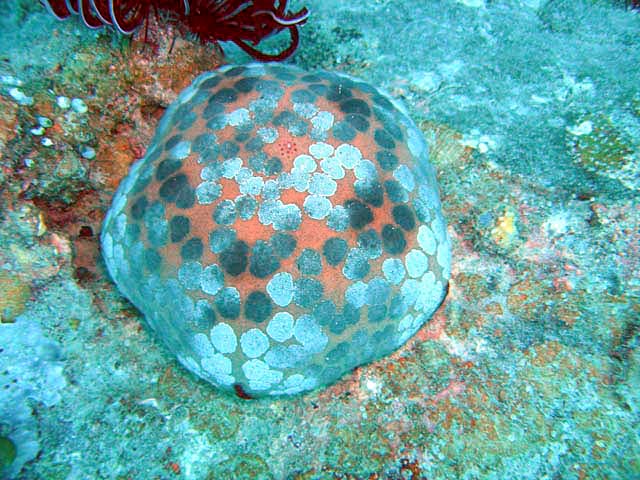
{"x": 244, "y": 22}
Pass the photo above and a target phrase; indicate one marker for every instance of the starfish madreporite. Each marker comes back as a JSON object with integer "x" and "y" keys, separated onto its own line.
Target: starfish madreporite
{"x": 283, "y": 228}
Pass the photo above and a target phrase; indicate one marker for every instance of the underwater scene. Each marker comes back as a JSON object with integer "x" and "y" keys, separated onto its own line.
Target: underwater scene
{"x": 319, "y": 239}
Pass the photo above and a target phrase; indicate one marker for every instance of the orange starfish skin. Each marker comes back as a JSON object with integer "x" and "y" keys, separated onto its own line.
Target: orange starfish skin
{"x": 283, "y": 228}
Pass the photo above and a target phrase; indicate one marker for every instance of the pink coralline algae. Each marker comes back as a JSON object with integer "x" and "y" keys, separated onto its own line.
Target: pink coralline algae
{"x": 283, "y": 228}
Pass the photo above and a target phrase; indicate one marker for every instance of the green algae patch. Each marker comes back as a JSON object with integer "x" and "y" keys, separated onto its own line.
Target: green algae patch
{"x": 7, "y": 452}
{"x": 603, "y": 147}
